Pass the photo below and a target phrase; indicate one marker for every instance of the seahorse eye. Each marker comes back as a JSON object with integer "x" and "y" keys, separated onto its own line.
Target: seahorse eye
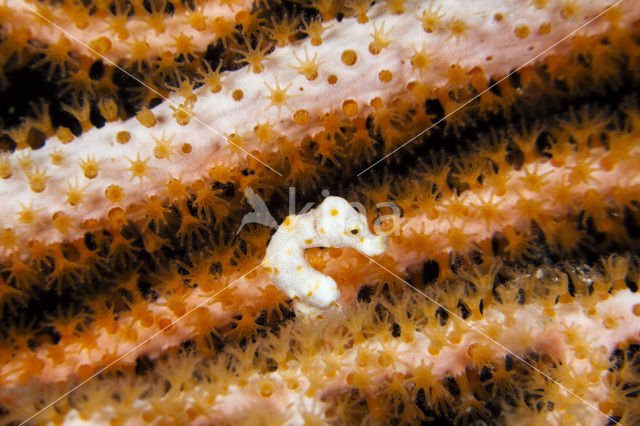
{"x": 355, "y": 231}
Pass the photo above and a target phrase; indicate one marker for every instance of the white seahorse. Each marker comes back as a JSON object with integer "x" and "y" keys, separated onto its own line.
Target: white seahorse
{"x": 334, "y": 223}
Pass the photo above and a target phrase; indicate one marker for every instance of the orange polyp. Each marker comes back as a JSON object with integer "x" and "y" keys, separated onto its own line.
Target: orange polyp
{"x": 5, "y": 168}
{"x": 89, "y": 167}
{"x": 307, "y": 67}
{"x": 314, "y": 29}
{"x": 64, "y": 134}
{"x": 431, "y": 18}
{"x": 278, "y": 96}
{"x": 84, "y": 371}
{"x": 301, "y": 117}
{"x": 350, "y": 107}
{"x": 139, "y": 168}
{"x": 37, "y": 180}
{"x": 521, "y": 31}
{"x": 146, "y": 117}
{"x": 183, "y": 113}
{"x": 458, "y": 29}
{"x": 420, "y": 60}
{"x": 385, "y": 76}
{"x": 545, "y": 28}
{"x": 123, "y": 137}
{"x": 117, "y": 217}
{"x": 101, "y": 45}
{"x": 114, "y": 193}
{"x": 380, "y": 39}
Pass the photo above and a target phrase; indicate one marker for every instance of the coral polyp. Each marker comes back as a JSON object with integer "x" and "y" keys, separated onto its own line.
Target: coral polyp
{"x": 494, "y": 146}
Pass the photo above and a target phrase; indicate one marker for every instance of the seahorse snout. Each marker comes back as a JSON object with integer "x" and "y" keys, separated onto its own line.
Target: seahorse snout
{"x": 375, "y": 245}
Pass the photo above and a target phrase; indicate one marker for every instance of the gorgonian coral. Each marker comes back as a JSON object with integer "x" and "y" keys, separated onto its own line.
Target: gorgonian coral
{"x": 508, "y": 290}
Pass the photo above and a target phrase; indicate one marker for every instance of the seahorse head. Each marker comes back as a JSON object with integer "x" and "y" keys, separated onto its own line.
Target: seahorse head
{"x": 340, "y": 225}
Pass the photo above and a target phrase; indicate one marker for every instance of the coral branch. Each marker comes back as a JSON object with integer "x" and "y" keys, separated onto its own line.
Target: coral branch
{"x": 497, "y": 145}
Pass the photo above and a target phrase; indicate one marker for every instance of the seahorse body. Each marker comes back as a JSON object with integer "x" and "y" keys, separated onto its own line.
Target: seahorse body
{"x": 334, "y": 223}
